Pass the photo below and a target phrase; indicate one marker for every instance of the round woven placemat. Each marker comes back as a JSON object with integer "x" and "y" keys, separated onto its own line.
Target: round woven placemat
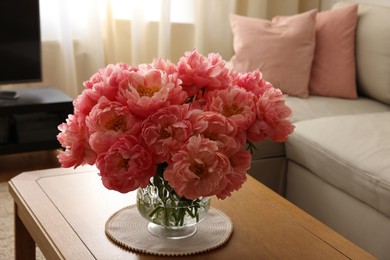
{"x": 128, "y": 229}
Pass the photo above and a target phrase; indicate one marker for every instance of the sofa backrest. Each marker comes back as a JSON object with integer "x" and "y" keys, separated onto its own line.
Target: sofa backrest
{"x": 373, "y": 51}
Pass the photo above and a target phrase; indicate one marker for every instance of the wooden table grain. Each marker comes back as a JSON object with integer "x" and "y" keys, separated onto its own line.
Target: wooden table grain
{"x": 64, "y": 212}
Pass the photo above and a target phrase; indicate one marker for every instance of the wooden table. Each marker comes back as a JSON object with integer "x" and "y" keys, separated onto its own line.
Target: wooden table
{"x": 64, "y": 212}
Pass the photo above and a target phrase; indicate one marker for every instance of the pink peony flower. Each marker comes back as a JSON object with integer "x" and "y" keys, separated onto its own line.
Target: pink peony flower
{"x": 240, "y": 162}
{"x": 126, "y": 166}
{"x": 235, "y": 104}
{"x": 251, "y": 82}
{"x": 74, "y": 139}
{"x": 198, "y": 169}
{"x": 151, "y": 91}
{"x": 197, "y": 72}
{"x": 272, "y": 118}
{"x": 106, "y": 82}
{"x": 218, "y": 128}
{"x": 165, "y": 131}
{"x": 108, "y": 121}
{"x": 84, "y": 103}
{"x": 258, "y": 131}
{"x": 159, "y": 64}
{"x": 111, "y": 75}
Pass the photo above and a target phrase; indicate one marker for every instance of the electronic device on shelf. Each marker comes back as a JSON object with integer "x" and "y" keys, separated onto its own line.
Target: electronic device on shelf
{"x": 5, "y": 94}
{"x": 20, "y": 44}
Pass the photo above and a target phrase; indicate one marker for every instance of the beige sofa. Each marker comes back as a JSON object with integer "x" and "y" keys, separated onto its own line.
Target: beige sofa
{"x": 336, "y": 165}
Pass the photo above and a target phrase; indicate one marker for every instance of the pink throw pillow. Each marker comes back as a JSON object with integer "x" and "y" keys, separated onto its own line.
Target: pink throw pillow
{"x": 333, "y": 71}
{"x": 282, "y": 49}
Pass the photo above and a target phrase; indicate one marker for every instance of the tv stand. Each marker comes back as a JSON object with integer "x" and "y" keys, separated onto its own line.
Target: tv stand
{"x": 6, "y": 94}
{"x": 30, "y": 122}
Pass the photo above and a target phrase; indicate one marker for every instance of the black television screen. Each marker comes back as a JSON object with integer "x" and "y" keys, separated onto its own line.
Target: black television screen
{"x": 20, "y": 41}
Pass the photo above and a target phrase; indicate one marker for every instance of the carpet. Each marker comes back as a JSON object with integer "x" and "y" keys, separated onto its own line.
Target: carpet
{"x": 7, "y": 226}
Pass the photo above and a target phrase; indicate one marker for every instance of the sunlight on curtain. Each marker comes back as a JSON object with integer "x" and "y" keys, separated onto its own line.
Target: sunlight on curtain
{"x": 72, "y": 46}
{"x": 152, "y": 27}
{"x": 180, "y": 10}
{"x": 81, "y": 36}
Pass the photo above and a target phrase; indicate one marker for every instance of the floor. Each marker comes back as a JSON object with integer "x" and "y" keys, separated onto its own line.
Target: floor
{"x": 13, "y": 164}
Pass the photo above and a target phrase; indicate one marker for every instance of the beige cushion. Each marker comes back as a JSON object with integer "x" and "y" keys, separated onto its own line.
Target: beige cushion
{"x": 333, "y": 71}
{"x": 282, "y": 49}
{"x": 333, "y": 149}
{"x": 373, "y": 51}
{"x": 316, "y": 106}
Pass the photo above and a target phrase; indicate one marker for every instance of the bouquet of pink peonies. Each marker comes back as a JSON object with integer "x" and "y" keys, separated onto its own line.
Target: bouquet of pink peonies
{"x": 192, "y": 123}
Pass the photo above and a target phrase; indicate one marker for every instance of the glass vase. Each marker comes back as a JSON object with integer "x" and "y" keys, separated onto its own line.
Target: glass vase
{"x": 170, "y": 216}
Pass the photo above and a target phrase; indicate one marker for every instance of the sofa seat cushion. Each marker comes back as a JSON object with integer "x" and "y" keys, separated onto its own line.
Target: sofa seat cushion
{"x": 317, "y": 107}
{"x": 351, "y": 153}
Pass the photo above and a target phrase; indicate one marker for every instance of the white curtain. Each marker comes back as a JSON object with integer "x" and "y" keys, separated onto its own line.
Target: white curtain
{"x": 72, "y": 42}
{"x": 81, "y": 36}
